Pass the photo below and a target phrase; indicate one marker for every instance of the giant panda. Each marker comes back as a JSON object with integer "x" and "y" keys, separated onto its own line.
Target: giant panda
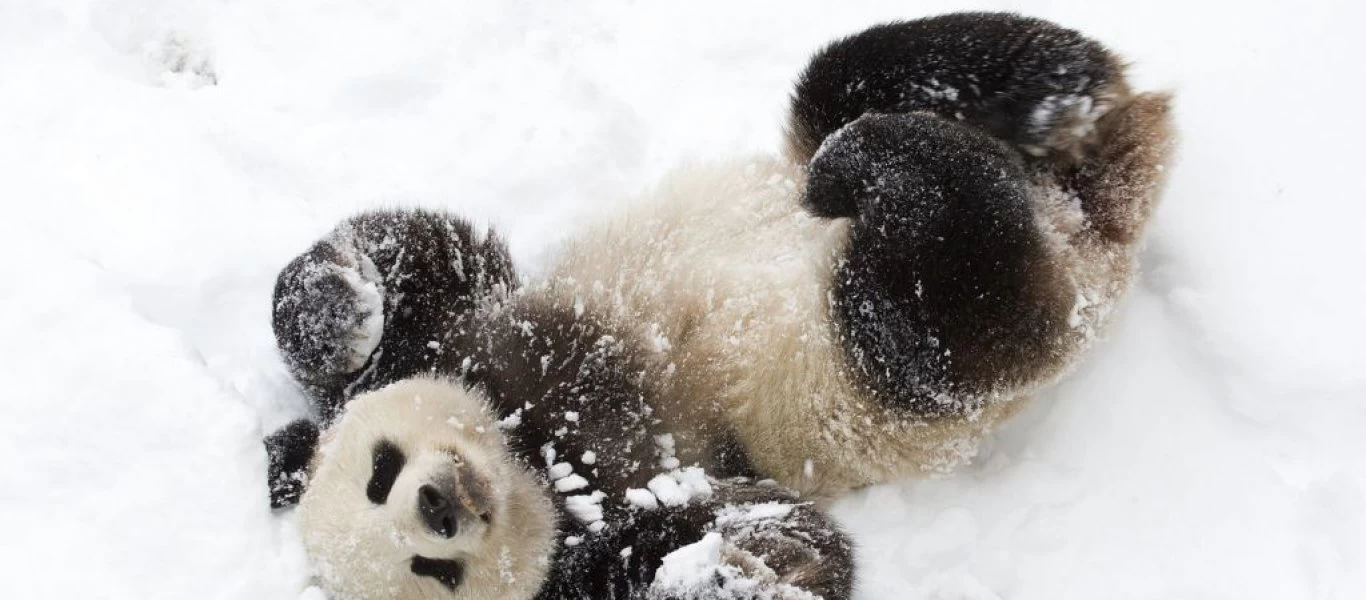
{"x": 958, "y": 206}
{"x": 513, "y": 451}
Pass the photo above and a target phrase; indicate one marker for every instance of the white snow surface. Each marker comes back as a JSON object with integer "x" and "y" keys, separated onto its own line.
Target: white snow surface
{"x": 160, "y": 160}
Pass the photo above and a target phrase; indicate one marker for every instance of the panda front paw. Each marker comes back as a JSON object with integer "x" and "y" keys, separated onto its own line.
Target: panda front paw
{"x": 329, "y": 310}
{"x": 757, "y": 568}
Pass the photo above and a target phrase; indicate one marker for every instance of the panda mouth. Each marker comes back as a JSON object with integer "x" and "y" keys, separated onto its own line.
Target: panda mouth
{"x": 450, "y": 573}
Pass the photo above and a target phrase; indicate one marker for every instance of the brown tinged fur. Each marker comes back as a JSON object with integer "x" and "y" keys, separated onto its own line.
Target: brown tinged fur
{"x": 1120, "y": 181}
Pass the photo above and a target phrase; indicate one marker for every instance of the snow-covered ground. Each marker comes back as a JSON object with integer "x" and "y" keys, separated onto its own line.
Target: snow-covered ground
{"x": 161, "y": 159}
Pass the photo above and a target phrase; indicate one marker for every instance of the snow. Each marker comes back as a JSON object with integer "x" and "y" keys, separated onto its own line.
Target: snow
{"x": 560, "y": 470}
{"x": 641, "y": 498}
{"x": 691, "y": 566}
{"x": 693, "y": 481}
{"x": 512, "y": 421}
{"x": 586, "y": 507}
{"x": 731, "y": 515}
{"x": 675, "y": 488}
{"x": 668, "y": 491}
{"x": 570, "y": 483}
{"x": 160, "y": 161}
{"x": 665, "y": 445}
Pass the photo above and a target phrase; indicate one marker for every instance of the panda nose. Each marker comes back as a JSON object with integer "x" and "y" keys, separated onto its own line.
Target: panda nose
{"x": 437, "y": 510}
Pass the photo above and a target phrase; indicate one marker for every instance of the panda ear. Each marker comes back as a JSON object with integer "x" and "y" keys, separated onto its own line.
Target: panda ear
{"x": 290, "y": 449}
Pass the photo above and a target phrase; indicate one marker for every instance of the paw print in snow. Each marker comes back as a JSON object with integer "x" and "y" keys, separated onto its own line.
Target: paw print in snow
{"x": 176, "y": 61}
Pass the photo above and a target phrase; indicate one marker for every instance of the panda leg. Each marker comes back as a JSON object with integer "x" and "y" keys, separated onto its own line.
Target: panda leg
{"x": 946, "y": 290}
{"x": 384, "y": 296}
{"x": 1119, "y": 182}
{"x": 796, "y": 554}
{"x": 760, "y": 539}
{"x": 1024, "y": 80}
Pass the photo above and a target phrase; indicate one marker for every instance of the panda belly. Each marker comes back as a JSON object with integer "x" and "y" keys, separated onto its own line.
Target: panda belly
{"x": 726, "y": 279}
{"x": 771, "y": 350}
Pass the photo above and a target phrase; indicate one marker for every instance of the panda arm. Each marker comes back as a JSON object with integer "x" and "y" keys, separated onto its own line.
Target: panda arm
{"x": 383, "y": 296}
{"x": 575, "y": 385}
{"x": 1024, "y": 80}
{"x": 570, "y": 388}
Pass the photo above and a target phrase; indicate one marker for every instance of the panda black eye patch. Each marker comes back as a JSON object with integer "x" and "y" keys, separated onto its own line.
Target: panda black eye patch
{"x": 449, "y": 572}
{"x": 387, "y": 464}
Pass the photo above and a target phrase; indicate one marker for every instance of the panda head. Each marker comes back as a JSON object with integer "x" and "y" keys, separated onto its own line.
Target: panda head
{"x": 412, "y": 494}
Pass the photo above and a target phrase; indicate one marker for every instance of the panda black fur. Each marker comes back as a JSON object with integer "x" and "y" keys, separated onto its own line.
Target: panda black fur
{"x": 959, "y": 207}
{"x": 570, "y": 393}
{"x": 1022, "y": 80}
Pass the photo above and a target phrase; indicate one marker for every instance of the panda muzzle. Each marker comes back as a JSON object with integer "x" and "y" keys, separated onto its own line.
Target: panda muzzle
{"x": 456, "y": 496}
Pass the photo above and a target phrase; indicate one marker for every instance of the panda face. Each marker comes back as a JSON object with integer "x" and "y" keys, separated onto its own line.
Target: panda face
{"x": 414, "y": 495}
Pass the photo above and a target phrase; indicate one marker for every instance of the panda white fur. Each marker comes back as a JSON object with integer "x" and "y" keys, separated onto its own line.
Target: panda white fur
{"x": 958, "y": 207}
{"x": 479, "y": 520}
